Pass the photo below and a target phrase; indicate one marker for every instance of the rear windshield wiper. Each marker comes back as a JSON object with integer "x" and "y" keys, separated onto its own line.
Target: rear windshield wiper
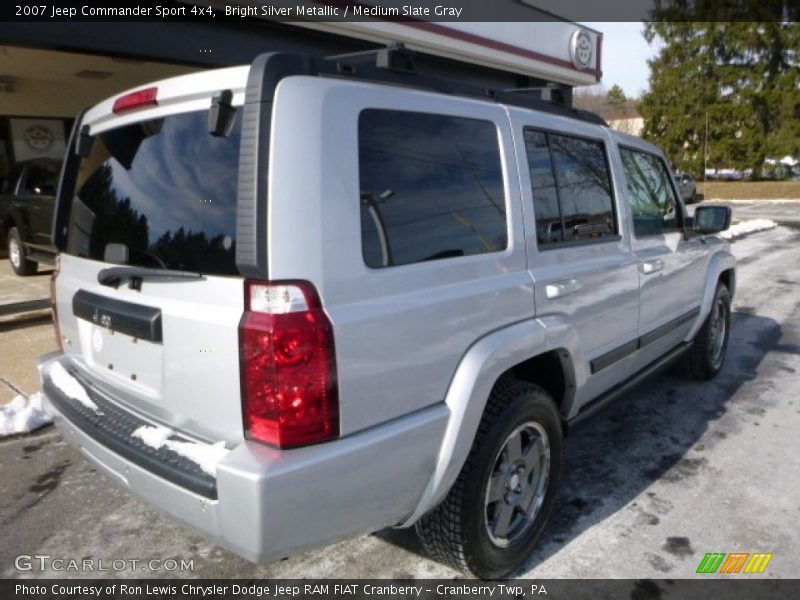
{"x": 114, "y": 276}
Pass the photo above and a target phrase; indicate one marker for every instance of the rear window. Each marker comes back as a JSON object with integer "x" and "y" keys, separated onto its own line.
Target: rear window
{"x": 164, "y": 188}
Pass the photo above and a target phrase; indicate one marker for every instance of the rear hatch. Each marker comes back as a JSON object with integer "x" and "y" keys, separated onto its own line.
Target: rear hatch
{"x": 158, "y": 192}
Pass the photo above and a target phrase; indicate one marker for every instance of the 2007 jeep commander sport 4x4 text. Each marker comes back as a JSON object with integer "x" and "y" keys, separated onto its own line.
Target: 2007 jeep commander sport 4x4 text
{"x": 305, "y": 299}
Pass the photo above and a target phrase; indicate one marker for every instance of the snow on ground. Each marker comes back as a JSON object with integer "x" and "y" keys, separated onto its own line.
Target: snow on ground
{"x": 750, "y": 226}
{"x": 23, "y": 414}
{"x": 70, "y": 386}
{"x": 206, "y": 456}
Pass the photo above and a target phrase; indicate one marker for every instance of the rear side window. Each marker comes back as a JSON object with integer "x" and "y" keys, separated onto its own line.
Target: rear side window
{"x": 164, "y": 188}
{"x": 431, "y": 187}
{"x": 571, "y": 186}
{"x": 650, "y": 194}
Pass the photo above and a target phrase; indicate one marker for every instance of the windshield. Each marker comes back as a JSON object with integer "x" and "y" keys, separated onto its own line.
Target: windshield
{"x": 166, "y": 190}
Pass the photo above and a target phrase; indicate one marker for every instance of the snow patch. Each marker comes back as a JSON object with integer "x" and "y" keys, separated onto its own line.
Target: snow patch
{"x": 744, "y": 227}
{"x": 155, "y": 437}
{"x": 70, "y": 386}
{"x": 206, "y": 456}
{"x": 23, "y": 414}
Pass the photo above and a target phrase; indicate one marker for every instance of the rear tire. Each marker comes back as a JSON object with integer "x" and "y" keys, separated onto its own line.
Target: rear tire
{"x": 503, "y": 498}
{"x": 18, "y": 256}
{"x": 706, "y": 356}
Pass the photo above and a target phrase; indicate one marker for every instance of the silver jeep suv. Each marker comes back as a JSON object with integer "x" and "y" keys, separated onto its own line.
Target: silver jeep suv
{"x": 298, "y": 301}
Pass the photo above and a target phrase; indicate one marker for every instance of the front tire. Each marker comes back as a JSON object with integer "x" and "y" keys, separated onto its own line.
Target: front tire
{"x": 706, "y": 356}
{"x": 503, "y": 498}
{"x": 17, "y": 255}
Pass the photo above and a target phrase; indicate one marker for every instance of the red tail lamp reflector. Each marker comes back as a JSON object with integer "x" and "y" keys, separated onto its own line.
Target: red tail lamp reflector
{"x": 288, "y": 366}
{"x": 137, "y": 99}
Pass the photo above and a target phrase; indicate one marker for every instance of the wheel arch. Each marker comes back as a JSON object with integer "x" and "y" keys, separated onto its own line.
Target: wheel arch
{"x": 521, "y": 351}
{"x": 722, "y": 267}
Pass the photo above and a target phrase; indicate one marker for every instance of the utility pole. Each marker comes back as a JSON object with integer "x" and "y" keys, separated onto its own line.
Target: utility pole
{"x": 705, "y": 150}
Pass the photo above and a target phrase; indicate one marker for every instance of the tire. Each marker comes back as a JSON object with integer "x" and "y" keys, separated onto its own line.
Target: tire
{"x": 457, "y": 531}
{"x": 706, "y": 356}
{"x": 18, "y": 256}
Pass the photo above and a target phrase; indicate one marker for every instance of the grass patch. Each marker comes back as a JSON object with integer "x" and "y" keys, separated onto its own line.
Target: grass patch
{"x": 749, "y": 190}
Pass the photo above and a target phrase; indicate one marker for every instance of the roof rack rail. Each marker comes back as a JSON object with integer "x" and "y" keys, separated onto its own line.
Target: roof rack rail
{"x": 395, "y": 65}
{"x": 392, "y": 65}
{"x": 393, "y": 57}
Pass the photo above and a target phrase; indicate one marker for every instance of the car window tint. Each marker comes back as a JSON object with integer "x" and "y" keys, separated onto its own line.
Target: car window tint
{"x": 40, "y": 180}
{"x": 650, "y": 195}
{"x": 571, "y": 187}
{"x": 431, "y": 187}
{"x": 545, "y": 196}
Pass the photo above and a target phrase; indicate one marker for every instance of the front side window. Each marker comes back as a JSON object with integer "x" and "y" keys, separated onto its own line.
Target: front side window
{"x": 650, "y": 194}
{"x": 571, "y": 186}
{"x": 431, "y": 187}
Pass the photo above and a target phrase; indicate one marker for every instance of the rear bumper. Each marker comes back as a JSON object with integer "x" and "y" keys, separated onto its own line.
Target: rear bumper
{"x": 272, "y": 503}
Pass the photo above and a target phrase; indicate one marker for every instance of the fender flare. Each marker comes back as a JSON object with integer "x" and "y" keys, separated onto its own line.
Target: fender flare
{"x": 469, "y": 390}
{"x": 722, "y": 260}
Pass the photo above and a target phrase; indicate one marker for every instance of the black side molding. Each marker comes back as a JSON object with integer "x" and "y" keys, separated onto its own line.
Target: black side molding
{"x": 652, "y": 336}
{"x": 617, "y": 354}
{"x": 605, "y": 399}
{"x": 143, "y": 322}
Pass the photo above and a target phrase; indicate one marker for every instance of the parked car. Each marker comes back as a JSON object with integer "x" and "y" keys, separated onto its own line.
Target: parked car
{"x": 687, "y": 187}
{"x": 282, "y": 351}
{"x": 26, "y": 214}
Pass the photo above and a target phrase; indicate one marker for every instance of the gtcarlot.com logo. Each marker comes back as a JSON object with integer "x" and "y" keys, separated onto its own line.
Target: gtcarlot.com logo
{"x": 45, "y": 562}
{"x": 734, "y": 562}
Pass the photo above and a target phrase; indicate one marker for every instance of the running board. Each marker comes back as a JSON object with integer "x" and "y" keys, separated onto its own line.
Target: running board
{"x": 42, "y": 257}
{"x": 605, "y": 399}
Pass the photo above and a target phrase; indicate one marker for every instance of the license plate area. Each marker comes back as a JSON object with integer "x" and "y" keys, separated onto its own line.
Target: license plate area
{"x": 121, "y": 341}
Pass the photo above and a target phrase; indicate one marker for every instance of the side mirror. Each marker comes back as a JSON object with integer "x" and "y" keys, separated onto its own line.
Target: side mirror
{"x": 711, "y": 219}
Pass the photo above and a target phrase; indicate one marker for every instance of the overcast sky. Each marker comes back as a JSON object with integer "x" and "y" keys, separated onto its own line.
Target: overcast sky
{"x": 624, "y": 57}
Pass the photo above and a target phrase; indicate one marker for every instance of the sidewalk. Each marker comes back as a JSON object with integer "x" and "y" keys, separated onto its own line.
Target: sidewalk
{"x": 18, "y": 289}
{"x": 23, "y": 337}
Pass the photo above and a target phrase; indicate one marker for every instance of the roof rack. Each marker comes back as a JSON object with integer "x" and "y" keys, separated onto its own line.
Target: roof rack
{"x": 395, "y": 64}
{"x": 392, "y": 65}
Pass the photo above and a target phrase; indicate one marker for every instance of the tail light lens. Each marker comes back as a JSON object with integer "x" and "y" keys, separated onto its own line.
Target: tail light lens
{"x": 53, "y": 304}
{"x": 288, "y": 367}
{"x": 134, "y": 100}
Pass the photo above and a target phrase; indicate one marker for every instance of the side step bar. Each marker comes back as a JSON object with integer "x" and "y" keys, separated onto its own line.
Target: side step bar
{"x": 601, "y": 402}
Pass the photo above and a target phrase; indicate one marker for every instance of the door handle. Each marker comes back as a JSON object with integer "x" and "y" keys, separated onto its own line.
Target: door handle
{"x": 562, "y": 288}
{"x": 649, "y": 267}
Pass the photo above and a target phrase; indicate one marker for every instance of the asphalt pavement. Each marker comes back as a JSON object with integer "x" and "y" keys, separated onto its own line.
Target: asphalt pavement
{"x": 673, "y": 470}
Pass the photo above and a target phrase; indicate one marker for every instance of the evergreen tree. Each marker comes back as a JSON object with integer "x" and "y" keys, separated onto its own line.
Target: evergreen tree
{"x": 741, "y": 78}
{"x": 616, "y": 99}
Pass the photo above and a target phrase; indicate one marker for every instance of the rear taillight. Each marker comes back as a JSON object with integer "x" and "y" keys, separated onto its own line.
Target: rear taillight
{"x": 288, "y": 367}
{"x": 137, "y": 99}
{"x": 53, "y": 304}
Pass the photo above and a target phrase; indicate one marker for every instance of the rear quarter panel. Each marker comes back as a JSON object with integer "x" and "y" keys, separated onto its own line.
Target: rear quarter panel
{"x": 400, "y": 331}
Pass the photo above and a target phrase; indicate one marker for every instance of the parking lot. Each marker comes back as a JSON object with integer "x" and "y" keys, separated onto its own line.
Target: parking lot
{"x": 670, "y": 472}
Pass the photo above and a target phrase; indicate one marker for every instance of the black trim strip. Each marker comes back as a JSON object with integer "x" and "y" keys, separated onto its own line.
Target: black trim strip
{"x": 609, "y": 358}
{"x": 602, "y": 401}
{"x": 652, "y": 336}
{"x": 112, "y": 427}
{"x": 143, "y": 322}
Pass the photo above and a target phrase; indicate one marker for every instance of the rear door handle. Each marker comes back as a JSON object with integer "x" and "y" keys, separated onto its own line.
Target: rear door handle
{"x": 562, "y": 288}
{"x": 649, "y": 267}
